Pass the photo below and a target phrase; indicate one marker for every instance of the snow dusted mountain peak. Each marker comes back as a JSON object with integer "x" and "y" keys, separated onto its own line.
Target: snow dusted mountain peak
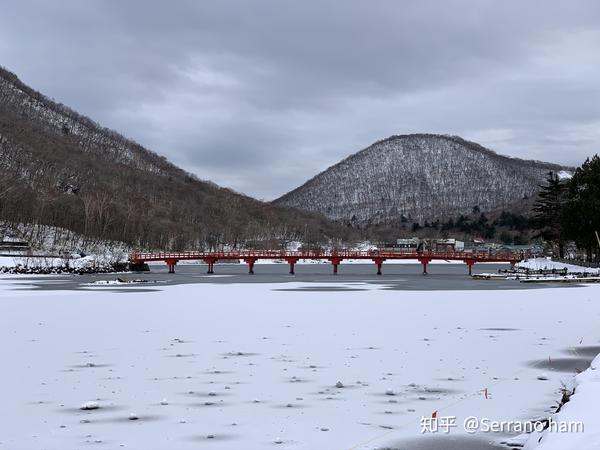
{"x": 418, "y": 177}
{"x": 564, "y": 175}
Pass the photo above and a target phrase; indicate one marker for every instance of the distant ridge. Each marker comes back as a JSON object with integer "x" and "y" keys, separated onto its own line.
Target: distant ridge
{"x": 418, "y": 177}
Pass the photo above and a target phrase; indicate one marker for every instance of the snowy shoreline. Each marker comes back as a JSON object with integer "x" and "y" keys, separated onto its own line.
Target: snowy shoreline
{"x": 548, "y": 264}
{"x": 74, "y": 264}
{"x": 582, "y": 407}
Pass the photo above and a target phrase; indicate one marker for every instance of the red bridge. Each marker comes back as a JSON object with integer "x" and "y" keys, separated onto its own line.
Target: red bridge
{"x": 334, "y": 257}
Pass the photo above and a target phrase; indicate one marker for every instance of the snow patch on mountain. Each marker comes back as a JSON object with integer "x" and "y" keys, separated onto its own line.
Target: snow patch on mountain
{"x": 564, "y": 175}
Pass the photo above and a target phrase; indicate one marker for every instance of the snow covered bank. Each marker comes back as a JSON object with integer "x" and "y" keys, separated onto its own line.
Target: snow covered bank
{"x": 256, "y": 366}
{"x": 97, "y": 263}
{"x": 50, "y": 240}
{"x": 583, "y": 406}
{"x": 548, "y": 264}
{"x": 55, "y": 250}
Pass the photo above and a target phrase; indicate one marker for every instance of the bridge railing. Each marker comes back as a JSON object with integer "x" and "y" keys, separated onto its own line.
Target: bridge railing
{"x": 318, "y": 254}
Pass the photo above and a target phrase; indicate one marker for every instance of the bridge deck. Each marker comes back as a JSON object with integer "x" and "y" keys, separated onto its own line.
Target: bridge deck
{"x": 335, "y": 257}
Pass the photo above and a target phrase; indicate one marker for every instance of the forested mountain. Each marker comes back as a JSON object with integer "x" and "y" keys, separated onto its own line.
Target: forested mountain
{"x": 418, "y": 178}
{"x": 60, "y": 168}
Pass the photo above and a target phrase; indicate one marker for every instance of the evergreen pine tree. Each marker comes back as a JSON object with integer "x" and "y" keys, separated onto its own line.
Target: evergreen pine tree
{"x": 581, "y": 213}
{"x": 548, "y": 211}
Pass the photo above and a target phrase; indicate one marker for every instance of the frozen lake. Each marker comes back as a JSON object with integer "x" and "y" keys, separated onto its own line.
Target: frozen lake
{"x": 239, "y": 361}
{"x": 403, "y": 276}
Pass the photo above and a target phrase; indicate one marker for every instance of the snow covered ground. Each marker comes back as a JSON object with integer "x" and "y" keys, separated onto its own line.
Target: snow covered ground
{"x": 74, "y": 261}
{"x": 548, "y": 264}
{"x": 583, "y": 406}
{"x": 258, "y": 365}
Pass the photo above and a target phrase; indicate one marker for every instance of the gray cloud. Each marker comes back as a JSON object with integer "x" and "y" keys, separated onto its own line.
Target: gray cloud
{"x": 261, "y": 95}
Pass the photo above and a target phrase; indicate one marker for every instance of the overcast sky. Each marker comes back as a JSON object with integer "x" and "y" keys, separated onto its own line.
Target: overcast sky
{"x": 260, "y": 96}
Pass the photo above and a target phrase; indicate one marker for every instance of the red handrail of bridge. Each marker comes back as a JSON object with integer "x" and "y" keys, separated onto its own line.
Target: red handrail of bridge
{"x": 478, "y": 256}
{"x": 333, "y": 256}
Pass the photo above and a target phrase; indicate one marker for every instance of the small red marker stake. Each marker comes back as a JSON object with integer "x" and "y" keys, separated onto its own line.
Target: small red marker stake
{"x": 434, "y": 414}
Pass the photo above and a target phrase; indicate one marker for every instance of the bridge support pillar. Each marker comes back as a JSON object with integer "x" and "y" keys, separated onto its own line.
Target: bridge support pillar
{"x": 292, "y": 262}
{"x": 171, "y": 264}
{"x": 470, "y": 263}
{"x": 250, "y": 262}
{"x": 378, "y": 263}
{"x": 210, "y": 262}
{"x": 424, "y": 262}
{"x": 335, "y": 262}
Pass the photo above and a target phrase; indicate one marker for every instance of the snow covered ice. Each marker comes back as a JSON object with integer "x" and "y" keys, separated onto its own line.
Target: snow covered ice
{"x": 548, "y": 264}
{"x": 226, "y": 365}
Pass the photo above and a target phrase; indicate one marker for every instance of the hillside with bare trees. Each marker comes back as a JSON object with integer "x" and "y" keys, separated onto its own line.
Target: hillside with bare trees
{"x": 418, "y": 178}
{"x": 61, "y": 169}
